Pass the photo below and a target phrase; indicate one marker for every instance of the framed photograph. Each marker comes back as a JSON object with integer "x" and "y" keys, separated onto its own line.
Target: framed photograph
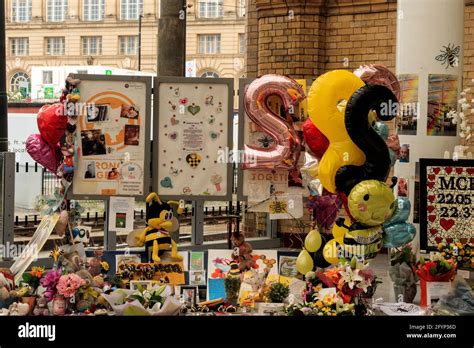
{"x": 189, "y": 295}
{"x": 197, "y": 277}
{"x": 144, "y": 284}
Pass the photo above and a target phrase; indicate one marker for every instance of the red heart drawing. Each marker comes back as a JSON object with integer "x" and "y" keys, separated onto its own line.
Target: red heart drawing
{"x": 438, "y": 240}
{"x": 436, "y": 170}
{"x": 448, "y": 170}
{"x": 433, "y": 231}
{"x": 447, "y": 223}
{"x": 431, "y": 177}
{"x": 431, "y": 198}
{"x": 459, "y": 170}
{"x": 470, "y": 171}
{"x": 449, "y": 240}
{"x": 431, "y": 218}
{"x": 430, "y": 209}
{"x": 431, "y": 184}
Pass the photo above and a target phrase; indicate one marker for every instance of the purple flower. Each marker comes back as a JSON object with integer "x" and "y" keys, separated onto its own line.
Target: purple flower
{"x": 49, "y": 281}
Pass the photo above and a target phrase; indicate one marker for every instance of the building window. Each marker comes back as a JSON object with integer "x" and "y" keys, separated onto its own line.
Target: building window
{"x": 21, "y": 11}
{"x": 131, "y": 9}
{"x": 211, "y": 8}
{"x": 242, "y": 8}
{"x": 210, "y": 74}
{"x": 128, "y": 45}
{"x": 57, "y": 10}
{"x": 209, "y": 44}
{"x": 19, "y": 46}
{"x": 242, "y": 44}
{"x": 55, "y": 46}
{"x": 91, "y": 45}
{"x": 93, "y": 10}
{"x": 20, "y": 81}
{"x": 47, "y": 77}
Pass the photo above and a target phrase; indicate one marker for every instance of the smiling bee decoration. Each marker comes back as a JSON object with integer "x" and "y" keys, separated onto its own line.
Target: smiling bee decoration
{"x": 160, "y": 223}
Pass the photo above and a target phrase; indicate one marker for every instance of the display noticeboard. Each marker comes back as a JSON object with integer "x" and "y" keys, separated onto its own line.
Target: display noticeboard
{"x": 446, "y": 201}
{"x": 112, "y": 137}
{"x": 192, "y": 138}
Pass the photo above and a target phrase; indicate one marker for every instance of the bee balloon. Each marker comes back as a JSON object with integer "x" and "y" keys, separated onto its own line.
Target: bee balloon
{"x": 449, "y": 56}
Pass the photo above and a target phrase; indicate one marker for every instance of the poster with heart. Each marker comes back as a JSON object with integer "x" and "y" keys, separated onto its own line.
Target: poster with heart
{"x": 112, "y": 136}
{"x": 447, "y": 201}
{"x": 193, "y": 138}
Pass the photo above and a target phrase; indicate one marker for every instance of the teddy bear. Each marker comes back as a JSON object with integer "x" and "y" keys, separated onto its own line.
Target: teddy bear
{"x": 242, "y": 252}
{"x": 41, "y": 307}
{"x": 6, "y": 283}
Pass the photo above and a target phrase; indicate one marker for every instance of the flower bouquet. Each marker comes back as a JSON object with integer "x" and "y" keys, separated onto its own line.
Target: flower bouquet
{"x": 461, "y": 253}
{"x": 353, "y": 281}
{"x": 402, "y": 274}
{"x": 435, "y": 276}
{"x": 330, "y": 305}
{"x": 142, "y": 302}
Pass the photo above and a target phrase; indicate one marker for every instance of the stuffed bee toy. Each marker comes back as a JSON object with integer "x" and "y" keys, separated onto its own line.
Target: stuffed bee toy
{"x": 161, "y": 222}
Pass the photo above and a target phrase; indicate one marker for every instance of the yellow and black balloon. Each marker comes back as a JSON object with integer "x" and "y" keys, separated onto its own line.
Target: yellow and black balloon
{"x": 355, "y": 165}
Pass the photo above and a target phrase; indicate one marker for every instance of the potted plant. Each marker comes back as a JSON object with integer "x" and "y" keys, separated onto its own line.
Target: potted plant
{"x": 29, "y": 285}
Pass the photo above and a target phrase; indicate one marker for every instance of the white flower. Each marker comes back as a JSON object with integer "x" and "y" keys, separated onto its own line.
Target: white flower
{"x": 350, "y": 276}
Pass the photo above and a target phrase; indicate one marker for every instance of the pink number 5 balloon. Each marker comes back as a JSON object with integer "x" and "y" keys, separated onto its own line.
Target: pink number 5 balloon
{"x": 284, "y": 151}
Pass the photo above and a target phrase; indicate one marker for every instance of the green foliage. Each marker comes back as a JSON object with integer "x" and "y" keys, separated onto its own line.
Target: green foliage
{"x": 278, "y": 292}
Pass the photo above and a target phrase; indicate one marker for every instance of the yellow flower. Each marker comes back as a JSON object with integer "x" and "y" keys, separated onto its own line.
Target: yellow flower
{"x": 328, "y": 300}
{"x": 105, "y": 265}
{"x": 319, "y": 303}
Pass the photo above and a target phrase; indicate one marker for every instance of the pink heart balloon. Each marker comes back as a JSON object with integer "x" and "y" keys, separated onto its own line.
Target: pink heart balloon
{"x": 49, "y": 157}
{"x": 52, "y": 123}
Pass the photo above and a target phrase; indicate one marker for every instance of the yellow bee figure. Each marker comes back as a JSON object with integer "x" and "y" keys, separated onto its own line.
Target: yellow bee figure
{"x": 161, "y": 222}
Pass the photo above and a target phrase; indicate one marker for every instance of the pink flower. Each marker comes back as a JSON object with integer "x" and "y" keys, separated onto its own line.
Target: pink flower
{"x": 68, "y": 284}
{"x": 49, "y": 281}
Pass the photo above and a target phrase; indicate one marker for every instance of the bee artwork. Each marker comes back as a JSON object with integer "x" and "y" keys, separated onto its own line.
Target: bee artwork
{"x": 449, "y": 56}
{"x": 265, "y": 141}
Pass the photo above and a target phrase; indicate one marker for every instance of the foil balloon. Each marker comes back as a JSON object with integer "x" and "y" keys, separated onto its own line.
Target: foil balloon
{"x": 371, "y": 203}
{"x": 377, "y": 164}
{"x": 284, "y": 151}
{"x": 375, "y": 74}
{"x": 383, "y": 131}
{"x": 52, "y": 123}
{"x": 326, "y": 109}
{"x": 46, "y": 155}
{"x": 316, "y": 141}
{"x": 397, "y": 232}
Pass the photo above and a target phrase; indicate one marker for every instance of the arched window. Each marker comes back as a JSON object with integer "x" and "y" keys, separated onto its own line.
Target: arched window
{"x": 20, "y": 81}
{"x": 210, "y": 74}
